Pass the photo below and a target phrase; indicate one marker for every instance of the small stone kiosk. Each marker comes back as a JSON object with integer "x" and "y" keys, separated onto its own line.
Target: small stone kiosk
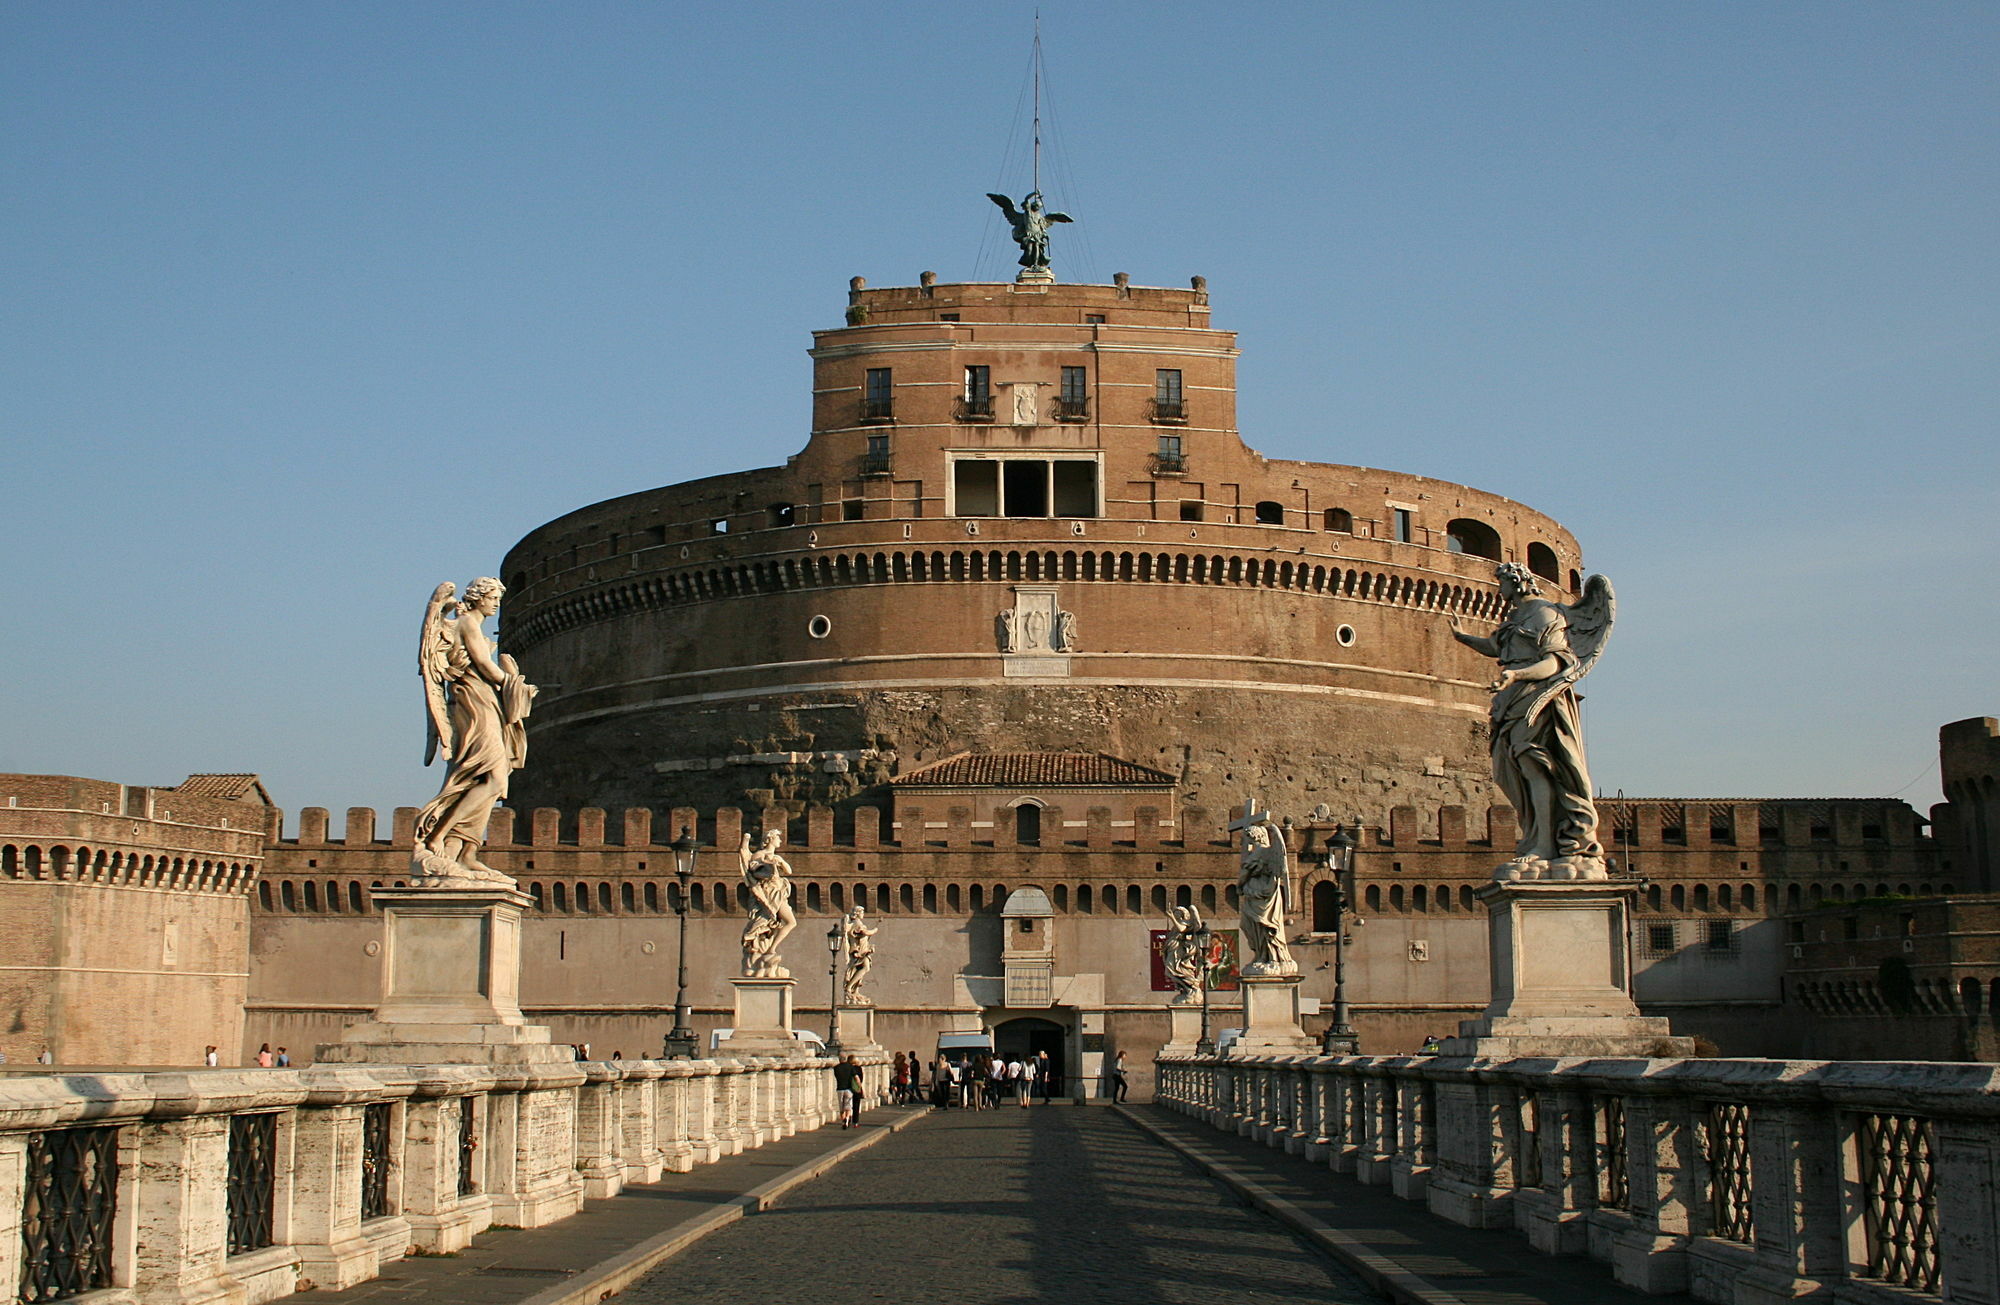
{"x": 1558, "y": 923}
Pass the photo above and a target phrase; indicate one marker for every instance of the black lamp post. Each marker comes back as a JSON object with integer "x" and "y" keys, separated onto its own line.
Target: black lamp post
{"x": 679, "y": 1044}
{"x": 834, "y": 938}
{"x": 1340, "y": 1038}
{"x": 1204, "y": 939}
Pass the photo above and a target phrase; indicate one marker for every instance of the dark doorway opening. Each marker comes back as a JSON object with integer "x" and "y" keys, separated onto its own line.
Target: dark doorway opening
{"x": 1030, "y": 1037}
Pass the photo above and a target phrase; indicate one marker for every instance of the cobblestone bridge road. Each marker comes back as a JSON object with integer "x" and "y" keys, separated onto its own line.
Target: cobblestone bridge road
{"x": 1047, "y": 1204}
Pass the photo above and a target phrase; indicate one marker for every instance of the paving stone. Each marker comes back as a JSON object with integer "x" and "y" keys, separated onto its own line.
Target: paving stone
{"x": 1007, "y": 1206}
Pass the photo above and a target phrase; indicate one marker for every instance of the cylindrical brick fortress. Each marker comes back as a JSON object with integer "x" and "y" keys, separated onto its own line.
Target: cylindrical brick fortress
{"x": 1068, "y": 455}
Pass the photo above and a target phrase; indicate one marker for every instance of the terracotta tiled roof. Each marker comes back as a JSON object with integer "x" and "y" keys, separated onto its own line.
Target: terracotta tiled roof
{"x": 1035, "y": 770}
{"x": 230, "y": 788}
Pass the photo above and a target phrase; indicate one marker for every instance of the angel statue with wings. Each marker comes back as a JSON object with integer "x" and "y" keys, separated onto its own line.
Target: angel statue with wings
{"x": 1185, "y": 954}
{"x": 1030, "y": 223}
{"x": 1544, "y": 648}
{"x": 768, "y": 876}
{"x": 478, "y": 711}
{"x": 1265, "y": 894}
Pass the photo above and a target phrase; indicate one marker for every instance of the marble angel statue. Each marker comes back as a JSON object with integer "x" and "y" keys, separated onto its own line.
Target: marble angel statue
{"x": 860, "y": 954}
{"x": 769, "y": 879}
{"x": 1544, "y": 649}
{"x": 477, "y": 710}
{"x": 1184, "y": 955}
{"x": 1265, "y": 896}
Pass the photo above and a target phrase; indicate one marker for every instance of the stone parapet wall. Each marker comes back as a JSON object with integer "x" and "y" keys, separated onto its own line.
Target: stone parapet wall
{"x": 1738, "y": 1181}
{"x": 252, "y": 1185}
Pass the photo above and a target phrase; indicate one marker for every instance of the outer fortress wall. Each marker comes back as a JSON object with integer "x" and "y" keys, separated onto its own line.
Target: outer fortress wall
{"x": 599, "y": 947}
{"x": 799, "y": 633}
{"x": 123, "y": 920}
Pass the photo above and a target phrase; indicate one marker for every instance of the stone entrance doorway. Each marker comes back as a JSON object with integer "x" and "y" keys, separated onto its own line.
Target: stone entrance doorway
{"x": 1028, "y": 1036}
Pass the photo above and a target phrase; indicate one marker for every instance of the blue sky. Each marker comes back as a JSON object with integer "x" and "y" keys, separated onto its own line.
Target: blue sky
{"x": 304, "y": 308}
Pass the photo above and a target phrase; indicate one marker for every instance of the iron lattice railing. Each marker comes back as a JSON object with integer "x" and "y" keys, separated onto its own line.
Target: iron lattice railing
{"x": 68, "y": 1205}
{"x": 468, "y": 1149}
{"x": 1728, "y": 1154}
{"x": 253, "y": 1150}
{"x": 375, "y": 1160}
{"x": 1615, "y": 1190}
{"x": 1899, "y": 1199}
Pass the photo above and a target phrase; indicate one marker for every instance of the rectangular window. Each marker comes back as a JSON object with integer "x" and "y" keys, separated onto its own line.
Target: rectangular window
{"x": 1190, "y": 509}
{"x": 1073, "y": 400}
{"x": 878, "y": 401}
{"x": 1075, "y": 486}
{"x": 1167, "y": 400}
{"x": 976, "y": 400}
{"x": 1721, "y": 935}
{"x": 1093, "y": 319}
{"x": 947, "y": 317}
{"x": 1404, "y": 528}
{"x": 1025, "y": 485}
{"x": 878, "y": 446}
{"x": 1660, "y": 939}
{"x": 853, "y": 509}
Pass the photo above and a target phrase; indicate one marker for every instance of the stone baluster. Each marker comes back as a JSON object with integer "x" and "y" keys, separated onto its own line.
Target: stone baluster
{"x": 1795, "y": 1199}
{"x": 441, "y": 1220}
{"x": 598, "y": 1130}
{"x": 1967, "y": 1160}
{"x": 639, "y": 1147}
{"x": 325, "y": 1205}
{"x": 676, "y": 1089}
{"x": 1410, "y": 1172}
{"x": 180, "y": 1215}
{"x": 1553, "y": 1213}
{"x": 1379, "y": 1126}
{"x": 1648, "y": 1242}
{"x": 1472, "y": 1179}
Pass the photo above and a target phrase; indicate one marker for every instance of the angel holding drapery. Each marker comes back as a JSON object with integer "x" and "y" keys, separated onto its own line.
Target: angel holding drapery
{"x": 1544, "y": 649}
{"x": 478, "y": 709}
{"x": 768, "y": 876}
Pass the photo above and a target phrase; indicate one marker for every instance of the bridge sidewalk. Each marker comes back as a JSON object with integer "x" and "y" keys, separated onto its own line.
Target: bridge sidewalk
{"x": 1400, "y": 1248}
{"x": 614, "y": 1241}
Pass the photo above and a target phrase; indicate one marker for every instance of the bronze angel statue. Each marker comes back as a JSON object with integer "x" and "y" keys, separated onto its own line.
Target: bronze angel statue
{"x": 1544, "y": 648}
{"x": 1030, "y": 224}
{"x": 478, "y": 710}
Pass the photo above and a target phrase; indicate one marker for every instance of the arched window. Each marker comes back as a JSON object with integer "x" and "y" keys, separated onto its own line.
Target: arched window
{"x": 1270, "y": 513}
{"x": 1339, "y": 520}
{"x": 1465, "y": 535}
{"x": 977, "y": 897}
{"x": 1542, "y": 561}
{"x": 1085, "y": 904}
{"x": 263, "y": 892}
{"x": 1325, "y": 917}
{"x": 1133, "y": 902}
{"x": 930, "y": 898}
{"x": 1160, "y": 898}
{"x": 604, "y": 898}
{"x": 627, "y": 896}
{"x": 652, "y": 896}
{"x": 1028, "y": 823}
{"x": 559, "y": 894}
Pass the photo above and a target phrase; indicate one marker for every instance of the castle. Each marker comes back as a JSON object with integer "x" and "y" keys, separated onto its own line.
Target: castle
{"x": 997, "y": 651}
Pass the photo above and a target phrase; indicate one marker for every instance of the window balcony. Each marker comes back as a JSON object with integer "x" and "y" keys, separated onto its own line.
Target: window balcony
{"x": 1072, "y": 409}
{"x": 875, "y": 464}
{"x": 974, "y": 408}
{"x": 1169, "y": 464}
{"x": 1170, "y": 412}
{"x": 876, "y": 411}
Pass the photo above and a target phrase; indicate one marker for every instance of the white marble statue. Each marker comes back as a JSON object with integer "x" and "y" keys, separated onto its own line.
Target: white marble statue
{"x": 769, "y": 878}
{"x": 1003, "y": 629}
{"x": 1544, "y": 648}
{"x": 1183, "y": 955}
{"x": 477, "y": 710}
{"x": 860, "y": 954}
{"x": 1265, "y": 895}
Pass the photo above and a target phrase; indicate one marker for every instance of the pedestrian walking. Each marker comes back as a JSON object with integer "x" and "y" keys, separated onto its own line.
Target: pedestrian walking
{"x": 264, "y": 1056}
{"x": 1026, "y": 1086}
{"x": 847, "y": 1088}
{"x": 899, "y": 1079}
{"x": 284, "y": 1059}
{"x": 211, "y": 1058}
{"x": 47, "y": 1057}
{"x": 1119, "y": 1085}
{"x": 996, "y": 1082}
{"x": 1042, "y": 1074}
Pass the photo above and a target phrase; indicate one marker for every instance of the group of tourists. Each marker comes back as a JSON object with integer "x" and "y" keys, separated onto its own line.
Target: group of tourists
{"x": 983, "y": 1081}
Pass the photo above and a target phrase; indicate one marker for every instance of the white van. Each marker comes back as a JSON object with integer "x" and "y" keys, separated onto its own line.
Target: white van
{"x": 814, "y": 1042}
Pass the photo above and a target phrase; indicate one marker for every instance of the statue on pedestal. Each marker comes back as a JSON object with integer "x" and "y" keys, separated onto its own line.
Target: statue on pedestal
{"x": 1544, "y": 648}
{"x": 477, "y": 709}
{"x": 769, "y": 878}
{"x": 860, "y": 954}
{"x": 1265, "y": 895}
{"x": 1183, "y": 956}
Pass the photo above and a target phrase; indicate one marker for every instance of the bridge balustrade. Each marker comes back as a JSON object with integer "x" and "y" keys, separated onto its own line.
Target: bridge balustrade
{"x": 1733, "y": 1180}
{"x": 252, "y": 1184}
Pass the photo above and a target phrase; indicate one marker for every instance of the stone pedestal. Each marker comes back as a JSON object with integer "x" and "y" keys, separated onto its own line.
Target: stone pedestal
{"x": 763, "y": 1020}
{"x": 1271, "y": 1024}
{"x": 856, "y": 1027}
{"x": 1183, "y": 1030}
{"x": 451, "y": 976}
{"x": 1562, "y": 973}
